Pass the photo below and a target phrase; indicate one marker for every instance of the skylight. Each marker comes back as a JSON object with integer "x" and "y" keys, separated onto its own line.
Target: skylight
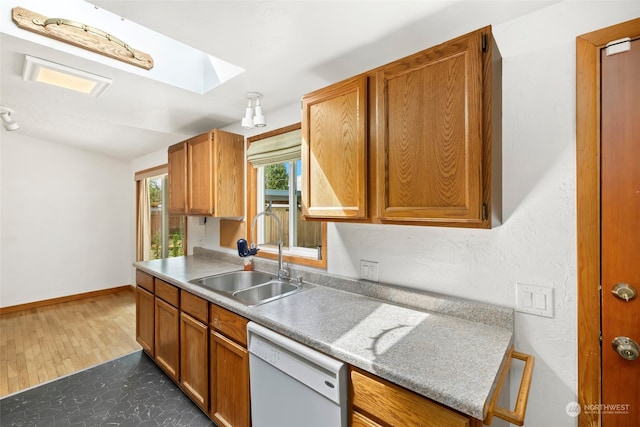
{"x": 175, "y": 63}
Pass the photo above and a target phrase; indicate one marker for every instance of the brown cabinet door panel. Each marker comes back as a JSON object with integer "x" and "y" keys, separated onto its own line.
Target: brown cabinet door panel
{"x": 228, "y": 174}
{"x": 177, "y": 178}
{"x": 229, "y": 382}
{"x": 395, "y": 406}
{"x": 429, "y": 134}
{"x": 145, "y": 331}
{"x": 167, "y": 338}
{"x": 229, "y": 324}
{"x": 194, "y": 360}
{"x": 334, "y": 151}
{"x": 200, "y": 191}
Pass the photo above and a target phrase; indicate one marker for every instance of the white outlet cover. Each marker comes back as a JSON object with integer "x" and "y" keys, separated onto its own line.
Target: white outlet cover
{"x": 536, "y": 300}
{"x": 369, "y": 270}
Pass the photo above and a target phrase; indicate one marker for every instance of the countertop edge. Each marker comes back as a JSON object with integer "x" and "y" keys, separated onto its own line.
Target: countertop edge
{"x": 477, "y": 411}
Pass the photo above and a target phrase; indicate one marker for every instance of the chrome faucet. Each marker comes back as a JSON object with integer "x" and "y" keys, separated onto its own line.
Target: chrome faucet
{"x": 283, "y": 273}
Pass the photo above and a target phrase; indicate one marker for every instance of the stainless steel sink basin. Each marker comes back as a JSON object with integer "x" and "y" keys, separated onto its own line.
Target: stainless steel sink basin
{"x": 266, "y": 292}
{"x": 250, "y": 287}
{"x": 233, "y": 281}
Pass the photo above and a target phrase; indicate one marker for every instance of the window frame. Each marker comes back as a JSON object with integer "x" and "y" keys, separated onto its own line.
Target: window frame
{"x": 139, "y": 178}
{"x": 252, "y": 210}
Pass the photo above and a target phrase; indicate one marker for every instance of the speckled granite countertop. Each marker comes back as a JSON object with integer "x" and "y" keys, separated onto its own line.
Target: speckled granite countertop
{"x": 448, "y": 350}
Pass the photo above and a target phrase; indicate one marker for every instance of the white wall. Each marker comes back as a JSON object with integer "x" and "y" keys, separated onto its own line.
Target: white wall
{"x": 537, "y": 242}
{"x": 65, "y": 220}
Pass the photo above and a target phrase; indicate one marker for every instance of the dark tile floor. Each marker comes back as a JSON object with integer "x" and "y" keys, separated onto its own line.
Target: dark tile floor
{"x": 129, "y": 391}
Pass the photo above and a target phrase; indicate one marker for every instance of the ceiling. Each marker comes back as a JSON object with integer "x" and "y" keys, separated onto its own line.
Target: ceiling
{"x": 287, "y": 48}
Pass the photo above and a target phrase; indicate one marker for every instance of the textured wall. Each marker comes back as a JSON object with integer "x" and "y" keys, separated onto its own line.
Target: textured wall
{"x": 65, "y": 223}
{"x": 537, "y": 242}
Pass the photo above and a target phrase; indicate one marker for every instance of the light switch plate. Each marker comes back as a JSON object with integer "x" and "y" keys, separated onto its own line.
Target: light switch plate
{"x": 536, "y": 300}
{"x": 369, "y": 270}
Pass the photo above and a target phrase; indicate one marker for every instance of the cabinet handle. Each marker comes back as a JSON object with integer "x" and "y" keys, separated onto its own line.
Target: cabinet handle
{"x": 517, "y": 415}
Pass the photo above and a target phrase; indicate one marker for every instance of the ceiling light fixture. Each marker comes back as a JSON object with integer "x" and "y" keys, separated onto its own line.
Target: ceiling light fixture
{"x": 7, "y": 121}
{"x": 250, "y": 120}
{"x": 41, "y": 70}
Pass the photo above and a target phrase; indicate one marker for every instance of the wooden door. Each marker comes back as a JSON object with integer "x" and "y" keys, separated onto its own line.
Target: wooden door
{"x": 620, "y": 218}
{"x": 430, "y": 135}
{"x": 228, "y": 174}
{"x": 194, "y": 360}
{"x": 200, "y": 175}
{"x": 229, "y": 382}
{"x": 167, "y": 333}
{"x": 145, "y": 331}
{"x": 334, "y": 151}
{"x": 177, "y": 159}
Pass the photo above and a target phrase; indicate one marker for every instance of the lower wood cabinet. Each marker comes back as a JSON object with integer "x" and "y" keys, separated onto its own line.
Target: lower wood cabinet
{"x": 145, "y": 331}
{"x": 194, "y": 360}
{"x": 229, "y": 369}
{"x": 376, "y": 402}
{"x": 167, "y": 343}
{"x": 229, "y": 382}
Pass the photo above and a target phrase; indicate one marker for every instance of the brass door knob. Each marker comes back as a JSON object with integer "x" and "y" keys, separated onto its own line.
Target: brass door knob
{"x": 624, "y": 291}
{"x": 626, "y": 347}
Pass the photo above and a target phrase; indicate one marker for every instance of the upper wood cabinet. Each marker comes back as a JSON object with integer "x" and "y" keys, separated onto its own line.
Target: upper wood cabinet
{"x": 427, "y": 129}
{"x": 334, "y": 151}
{"x": 206, "y": 175}
{"x": 430, "y": 136}
{"x": 177, "y": 159}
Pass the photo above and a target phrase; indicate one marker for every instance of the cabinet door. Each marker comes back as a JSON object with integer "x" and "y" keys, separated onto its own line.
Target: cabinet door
{"x": 145, "y": 320}
{"x": 177, "y": 159}
{"x": 228, "y": 174}
{"x": 194, "y": 360}
{"x": 167, "y": 334}
{"x": 334, "y": 151}
{"x": 200, "y": 171}
{"x": 429, "y": 135}
{"x": 229, "y": 382}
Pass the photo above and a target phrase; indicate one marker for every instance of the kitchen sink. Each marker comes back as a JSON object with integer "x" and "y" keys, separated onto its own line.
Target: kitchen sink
{"x": 250, "y": 287}
{"x": 233, "y": 281}
{"x": 266, "y": 292}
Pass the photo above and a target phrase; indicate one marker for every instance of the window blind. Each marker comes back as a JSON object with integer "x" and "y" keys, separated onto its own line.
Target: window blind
{"x": 276, "y": 149}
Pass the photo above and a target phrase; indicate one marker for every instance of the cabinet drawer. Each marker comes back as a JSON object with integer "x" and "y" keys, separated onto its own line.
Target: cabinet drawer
{"x": 194, "y": 305}
{"x": 144, "y": 280}
{"x": 395, "y": 405}
{"x": 167, "y": 292}
{"x": 229, "y": 324}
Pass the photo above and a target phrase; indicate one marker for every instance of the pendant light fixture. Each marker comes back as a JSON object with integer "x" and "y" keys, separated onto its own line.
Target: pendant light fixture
{"x": 251, "y": 120}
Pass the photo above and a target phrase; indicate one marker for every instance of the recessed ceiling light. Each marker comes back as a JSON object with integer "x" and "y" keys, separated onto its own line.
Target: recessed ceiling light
{"x": 40, "y": 70}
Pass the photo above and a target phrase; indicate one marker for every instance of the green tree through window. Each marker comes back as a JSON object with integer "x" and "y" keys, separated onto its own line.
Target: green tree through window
{"x": 276, "y": 177}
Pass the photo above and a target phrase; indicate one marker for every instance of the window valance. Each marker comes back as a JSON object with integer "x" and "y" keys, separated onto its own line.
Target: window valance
{"x": 276, "y": 149}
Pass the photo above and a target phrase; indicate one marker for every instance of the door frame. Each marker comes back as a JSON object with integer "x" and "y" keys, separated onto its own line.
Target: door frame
{"x": 589, "y": 262}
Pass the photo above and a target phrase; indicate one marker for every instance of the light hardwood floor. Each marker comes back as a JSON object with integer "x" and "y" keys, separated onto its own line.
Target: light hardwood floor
{"x": 41, "y": 344}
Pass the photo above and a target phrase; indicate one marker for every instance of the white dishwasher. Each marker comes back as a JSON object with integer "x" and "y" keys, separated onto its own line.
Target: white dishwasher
{"x": 293, "y": 385}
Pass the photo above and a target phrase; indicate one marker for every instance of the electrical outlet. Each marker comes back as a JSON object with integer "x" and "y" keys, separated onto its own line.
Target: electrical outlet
{"x": 536, "y": 300}
{"x": 369, "y": 270}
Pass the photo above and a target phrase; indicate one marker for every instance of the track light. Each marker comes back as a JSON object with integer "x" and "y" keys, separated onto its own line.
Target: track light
{"x": 250, "y": 120}
{"x": 7, "y": 122}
